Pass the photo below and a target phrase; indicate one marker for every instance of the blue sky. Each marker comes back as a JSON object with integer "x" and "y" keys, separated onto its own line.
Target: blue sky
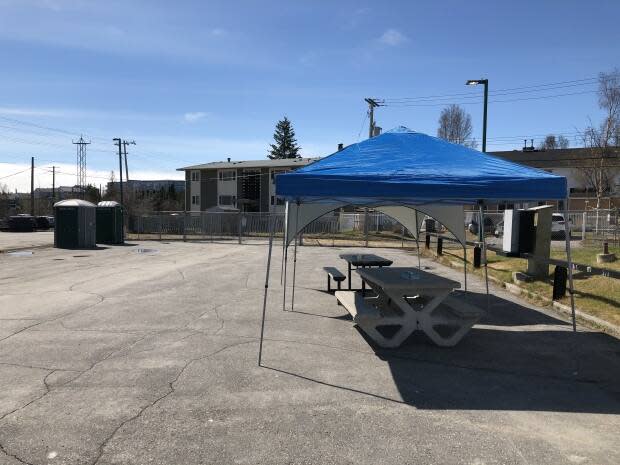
{"x": 198, "y": 81}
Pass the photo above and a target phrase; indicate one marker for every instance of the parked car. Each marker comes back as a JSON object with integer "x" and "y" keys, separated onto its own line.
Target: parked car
{"x": 22, "y": 223}
{"x": 558, "y": 227}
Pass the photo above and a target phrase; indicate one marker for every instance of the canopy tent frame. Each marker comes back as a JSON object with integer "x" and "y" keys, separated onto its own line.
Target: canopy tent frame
{"x": 409, "y": 169}
{"x": 434, "y": 209}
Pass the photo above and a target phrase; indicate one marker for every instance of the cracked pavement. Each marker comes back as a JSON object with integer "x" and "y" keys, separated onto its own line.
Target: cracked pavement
{"x": 113, "y": 357}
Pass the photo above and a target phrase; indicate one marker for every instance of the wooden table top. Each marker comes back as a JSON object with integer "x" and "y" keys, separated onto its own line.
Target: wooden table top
{"x": 406, "y": 277}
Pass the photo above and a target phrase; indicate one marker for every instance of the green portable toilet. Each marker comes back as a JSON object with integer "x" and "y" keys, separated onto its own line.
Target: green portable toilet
{"x": 75, "y": 224}
{"x": 110, "y": 222}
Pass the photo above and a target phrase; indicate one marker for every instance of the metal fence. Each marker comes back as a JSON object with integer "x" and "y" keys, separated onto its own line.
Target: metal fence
{"x": 585, "y": 225}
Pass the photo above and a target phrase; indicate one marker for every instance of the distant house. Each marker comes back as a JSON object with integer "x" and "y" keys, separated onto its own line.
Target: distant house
{"x": 148, "y": 186}
{"x": 237, "y": 185}
{"x": 567, "y": 162}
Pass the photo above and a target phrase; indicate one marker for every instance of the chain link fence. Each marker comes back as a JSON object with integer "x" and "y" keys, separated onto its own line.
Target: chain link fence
{"x": 601, "y": 225}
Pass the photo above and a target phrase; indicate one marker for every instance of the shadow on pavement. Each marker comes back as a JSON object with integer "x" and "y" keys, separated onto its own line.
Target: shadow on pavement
{"x": 519, "y": 360}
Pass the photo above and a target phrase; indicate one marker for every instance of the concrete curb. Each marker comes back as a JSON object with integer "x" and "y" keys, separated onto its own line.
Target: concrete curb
{"x": 563, "y": 310}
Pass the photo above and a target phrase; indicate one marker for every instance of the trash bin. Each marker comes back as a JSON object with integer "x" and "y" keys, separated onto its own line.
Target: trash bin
{"x": 75, "y": 224}
{"x": 110, "y": 223}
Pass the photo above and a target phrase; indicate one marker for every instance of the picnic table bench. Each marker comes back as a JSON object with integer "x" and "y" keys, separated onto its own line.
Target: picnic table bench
{"x": 335, "y": 274}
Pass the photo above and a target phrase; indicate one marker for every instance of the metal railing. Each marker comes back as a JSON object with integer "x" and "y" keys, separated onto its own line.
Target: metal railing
{"x": 601, "y": 225}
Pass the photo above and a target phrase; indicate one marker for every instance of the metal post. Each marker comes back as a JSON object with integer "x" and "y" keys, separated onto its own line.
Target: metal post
{"x": 295, "y": 257}
{"x": 160, "y": 225}
{"x": 32, "y": 186}
{"x": 239, "y": 226}
{"x": 184, "y": 226}
{"x": 366, "y": 226}
{"x": 417, "y": 239}
{"x": 484, "y": 253}
{"x": 284, "y": 235}
{"x": 465, "y": 264}
{"x": 262, "y": 325}
{"x": 583, "y": 227}
{"x": 570, "y": 267}
{"x": 484, "y": 118}
{"x": 285, "y": 258}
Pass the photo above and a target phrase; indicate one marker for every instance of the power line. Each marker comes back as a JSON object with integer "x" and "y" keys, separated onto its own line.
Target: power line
{"x": 540, "y": 87}
{"x": 15, "y": 174}
{"x": 540, "y": 97}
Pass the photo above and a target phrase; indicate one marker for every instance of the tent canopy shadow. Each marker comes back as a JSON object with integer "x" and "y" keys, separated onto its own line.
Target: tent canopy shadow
{"x": 518, "y": 359}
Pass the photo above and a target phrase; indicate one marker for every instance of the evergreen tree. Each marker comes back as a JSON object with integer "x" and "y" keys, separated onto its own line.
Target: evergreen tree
{"x": 285, "y": 143}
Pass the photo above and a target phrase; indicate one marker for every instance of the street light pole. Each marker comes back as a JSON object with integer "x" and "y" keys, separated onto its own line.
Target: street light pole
{"x": 475, "y": 82}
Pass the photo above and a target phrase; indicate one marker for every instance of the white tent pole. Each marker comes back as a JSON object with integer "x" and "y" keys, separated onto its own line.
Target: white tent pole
{"x": 262, "y": 325}
{"x": 465, "y": 264}
{"x": 295, "y": 256}
{"x": 484, "y": 252}
{"x": 285, "y": 259}
{"x": 284, "y": 237}
{"x": 417, "y": 239}
{"x": 570, "y": 264}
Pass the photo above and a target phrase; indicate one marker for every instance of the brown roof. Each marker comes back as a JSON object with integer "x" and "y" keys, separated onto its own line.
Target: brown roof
{"x": 557, "y": 158}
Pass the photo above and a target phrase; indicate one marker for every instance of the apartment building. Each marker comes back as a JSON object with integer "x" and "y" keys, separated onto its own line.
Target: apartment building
{"x": 237, "y": 185}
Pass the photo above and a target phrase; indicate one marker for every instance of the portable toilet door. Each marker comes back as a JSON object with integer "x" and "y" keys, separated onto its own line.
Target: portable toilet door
{"x": 109, "y": 223}
{"x": 66, "y": 233}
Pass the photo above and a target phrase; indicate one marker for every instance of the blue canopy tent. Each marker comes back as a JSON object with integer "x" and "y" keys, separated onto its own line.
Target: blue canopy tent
{"x": 411, "y": 171}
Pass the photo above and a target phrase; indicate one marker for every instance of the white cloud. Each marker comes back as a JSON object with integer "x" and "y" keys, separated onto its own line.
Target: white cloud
{"x": 393, "y": 38}
{"x": 65, "y": 175}
{"x": 192, "y": 117}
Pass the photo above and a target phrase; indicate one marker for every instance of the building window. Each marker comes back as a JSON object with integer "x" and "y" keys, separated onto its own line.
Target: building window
{"x": 227, "y": 200}
{"x": 195, "y": 175}
{"x": 195, "y": 200}
{"x": 227, "y": 175}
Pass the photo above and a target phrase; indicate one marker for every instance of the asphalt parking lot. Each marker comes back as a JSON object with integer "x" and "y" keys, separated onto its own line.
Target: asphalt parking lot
{"x": 147, "y": 354}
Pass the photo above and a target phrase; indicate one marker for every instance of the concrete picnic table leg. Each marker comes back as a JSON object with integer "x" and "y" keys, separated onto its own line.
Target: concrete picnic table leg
{"x": 429, "y": 318}
{"x": 406, "y": 321}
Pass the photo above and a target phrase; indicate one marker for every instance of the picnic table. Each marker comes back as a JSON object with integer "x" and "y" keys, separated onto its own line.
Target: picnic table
{"x": 409, "y": 299}
{"x": 363, "y": 261}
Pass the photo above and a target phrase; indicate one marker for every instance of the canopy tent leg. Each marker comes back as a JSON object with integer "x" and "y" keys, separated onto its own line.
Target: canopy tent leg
{"x": 570, "y": 265}
{"x": 295, "y": 257}
{"x": 262, "y": 324}
{"x": 282, "y": 264}
{"x": 465, "y": 265}
{"x": 284, "y": 236}
{"x": 484, "y": 252}
{"x": 285, "y": 269}
{"x": 417, "y": 239}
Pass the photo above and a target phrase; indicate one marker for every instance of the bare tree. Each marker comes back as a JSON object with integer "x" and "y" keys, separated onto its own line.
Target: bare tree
{"x": 601, "y": 166}
{"x": 553, "y": 142}
{"x": 455, "y": 126}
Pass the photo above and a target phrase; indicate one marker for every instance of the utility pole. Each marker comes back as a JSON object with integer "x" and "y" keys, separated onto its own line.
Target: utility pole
{"x": 119, "y": 143}
{"x": 81, "y": 164}
{"x": 53, "y": 184}
{"x": 372, "y": 103}
{"x": 125, "y": 144}
{"x": 32, "y": 186}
